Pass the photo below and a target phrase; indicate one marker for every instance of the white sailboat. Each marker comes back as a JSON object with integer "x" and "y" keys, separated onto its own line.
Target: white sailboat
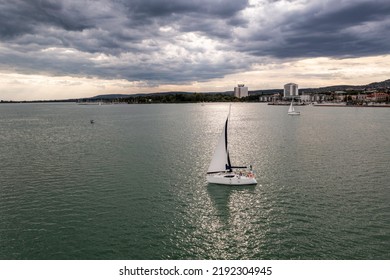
{"x": 221, "y": 170}
{"x": 291, "y": 110}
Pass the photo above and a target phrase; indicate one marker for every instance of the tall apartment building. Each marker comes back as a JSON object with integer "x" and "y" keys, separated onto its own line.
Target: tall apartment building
{"x": 290, "y": 90}
{"x": 240, "y": 91}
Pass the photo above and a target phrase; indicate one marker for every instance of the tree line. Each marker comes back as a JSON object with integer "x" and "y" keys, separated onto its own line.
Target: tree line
{"x": 188, "y": 98}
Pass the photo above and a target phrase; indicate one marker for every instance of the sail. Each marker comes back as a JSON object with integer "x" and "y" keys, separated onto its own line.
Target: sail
{"x": 221, "y": 161}
{"x": 291, "y": 109}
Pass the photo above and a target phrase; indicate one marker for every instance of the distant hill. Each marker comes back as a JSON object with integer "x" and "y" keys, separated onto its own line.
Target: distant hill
{"x": 121, "y": 96}
{"x": 384, "y": 84}
{"x": 109, "y": 96}
{"x": 375, "y": 85}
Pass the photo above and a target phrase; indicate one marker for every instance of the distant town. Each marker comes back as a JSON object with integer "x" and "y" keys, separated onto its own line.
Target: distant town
{"x": 364, "y": 96}
{"x": 369, "y": 95}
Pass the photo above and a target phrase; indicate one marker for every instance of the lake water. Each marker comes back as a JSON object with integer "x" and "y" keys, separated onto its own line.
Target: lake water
{"x": 132, "y": 185}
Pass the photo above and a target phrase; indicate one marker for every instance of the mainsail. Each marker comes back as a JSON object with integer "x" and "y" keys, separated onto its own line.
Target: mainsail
{"x": 221, "y": 170}
{"x": 221, "y": 161}
{"x": 291, "y": 109}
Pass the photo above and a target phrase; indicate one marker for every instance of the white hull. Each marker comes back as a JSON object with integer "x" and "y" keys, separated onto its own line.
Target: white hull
{"x": 231, "y": 179}
{"x": 294, "y": 113}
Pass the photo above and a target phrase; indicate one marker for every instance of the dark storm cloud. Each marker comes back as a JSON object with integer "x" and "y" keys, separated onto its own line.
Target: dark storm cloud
{"x": 155, "y": 40}
{"x": 20, "y": 17}
{"x": 117, "y": 29}
{"x": 347, "y": 32}
{"x": 162, "y": 8}
{"x": 327, "y": 28}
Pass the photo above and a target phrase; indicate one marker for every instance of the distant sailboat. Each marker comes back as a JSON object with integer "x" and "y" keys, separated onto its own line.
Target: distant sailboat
{"x": 291, "y": 110}
{"x": 221, "y": 170}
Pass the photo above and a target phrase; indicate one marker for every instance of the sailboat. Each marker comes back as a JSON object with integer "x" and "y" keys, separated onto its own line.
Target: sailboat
{"x": 291, "y": 110}
{"x": 221, "y": 171}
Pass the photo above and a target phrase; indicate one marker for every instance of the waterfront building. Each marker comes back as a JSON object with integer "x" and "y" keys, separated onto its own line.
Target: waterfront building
{"x": 240, "y": 91}
{"x": 305, "y": 97}
{"x": 361, "y": 97}
{"x": 266, "y": 98}
{"x": 377, "y": 97}
{"x": 290, "y": 90}
{"x": 319, "y": 97}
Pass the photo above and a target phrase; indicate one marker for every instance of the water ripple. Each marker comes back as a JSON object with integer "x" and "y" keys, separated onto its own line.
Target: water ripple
{"x": 132, "y": 185}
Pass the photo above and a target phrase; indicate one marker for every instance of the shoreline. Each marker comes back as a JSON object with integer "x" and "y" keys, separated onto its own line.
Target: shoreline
{"x": 355, "y": 106}
{"x": 202, "y": 103}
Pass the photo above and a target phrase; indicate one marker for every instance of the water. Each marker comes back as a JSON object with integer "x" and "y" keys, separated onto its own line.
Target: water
{"x": 132, "y": 185}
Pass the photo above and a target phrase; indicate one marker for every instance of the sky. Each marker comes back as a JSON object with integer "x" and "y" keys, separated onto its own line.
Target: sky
{"x": 82, "y": 48}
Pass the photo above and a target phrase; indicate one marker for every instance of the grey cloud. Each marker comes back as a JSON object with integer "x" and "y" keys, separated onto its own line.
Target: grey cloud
{"x": 113, "y": 28}
{"x": 113, "y": 25}
{"x": 130, "y": 35}
{"x": 21, "y": 17}
{"x": 337, "y": 18}
{"x": 135, "y": 68}
{"x": 162, "y": 8}
{"x": 329, "y": 28}
{"x": 212, "y": 18}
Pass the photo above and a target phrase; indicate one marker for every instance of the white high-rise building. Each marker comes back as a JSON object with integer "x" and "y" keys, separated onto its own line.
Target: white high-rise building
{"x": 290, "y": 90}
{"x": 240, "y": 91}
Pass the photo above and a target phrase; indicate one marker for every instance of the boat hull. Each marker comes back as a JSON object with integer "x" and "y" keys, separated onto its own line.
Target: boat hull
{"x": 294, "y": 113}
{"x": 230, "y": 179}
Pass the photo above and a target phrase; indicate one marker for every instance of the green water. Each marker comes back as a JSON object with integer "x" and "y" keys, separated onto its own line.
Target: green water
{"x": 132, "y": 185}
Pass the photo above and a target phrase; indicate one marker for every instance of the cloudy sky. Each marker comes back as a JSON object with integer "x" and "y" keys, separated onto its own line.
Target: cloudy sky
{"x": 52, "y": 49}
